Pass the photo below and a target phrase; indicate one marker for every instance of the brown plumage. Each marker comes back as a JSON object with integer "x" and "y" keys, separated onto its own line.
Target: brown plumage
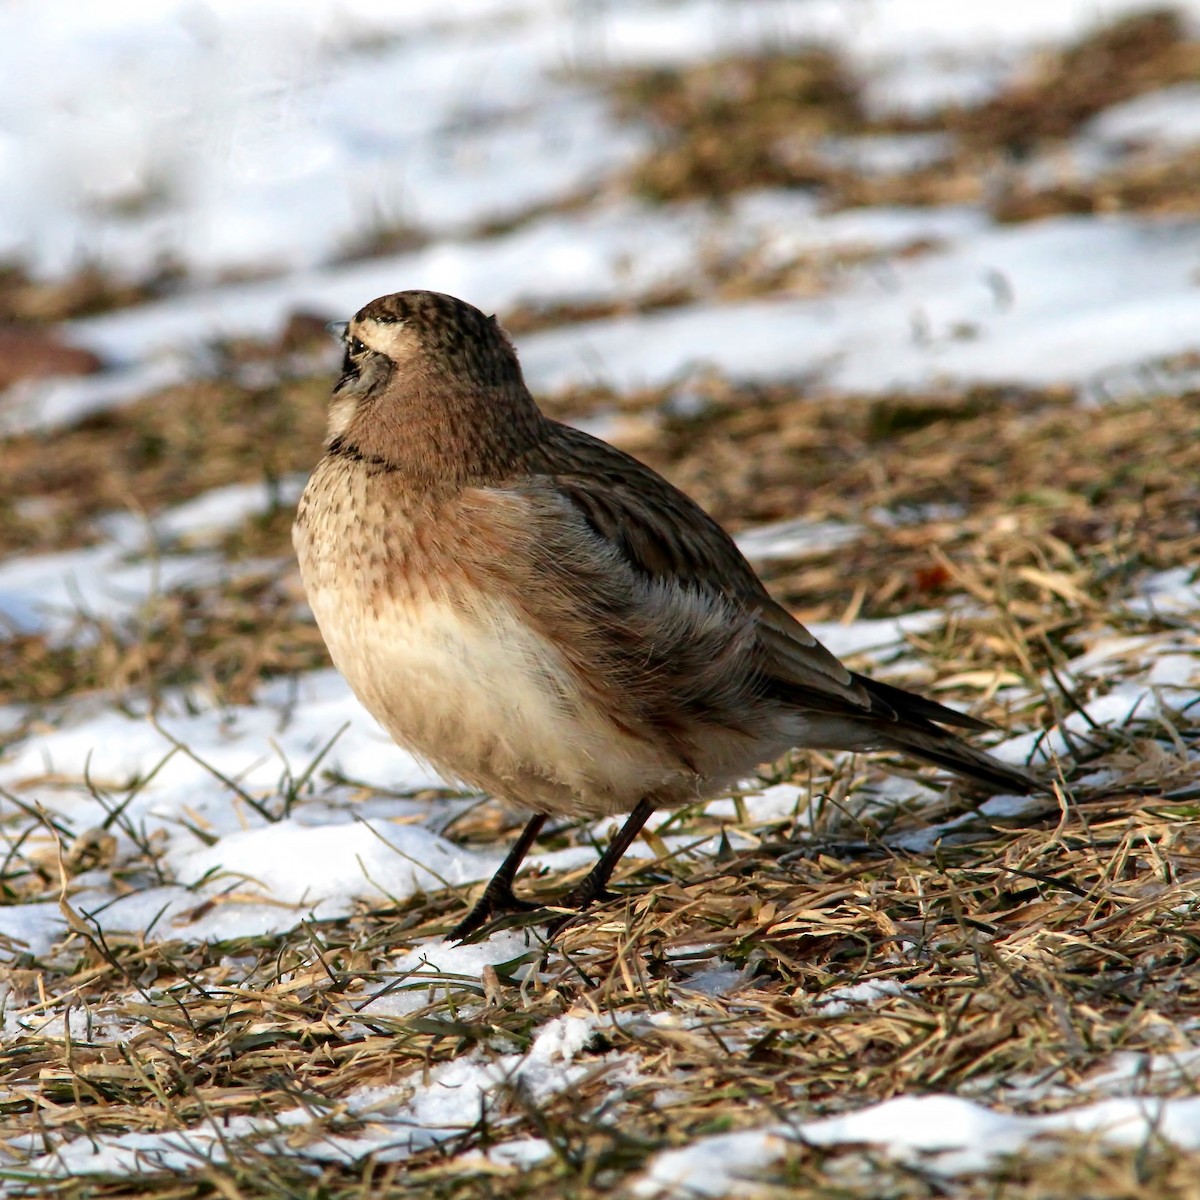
{"x": 547, "y": 619}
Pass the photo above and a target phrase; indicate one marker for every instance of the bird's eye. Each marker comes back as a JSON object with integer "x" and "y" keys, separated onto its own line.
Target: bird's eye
{"x": 356, "y": 346}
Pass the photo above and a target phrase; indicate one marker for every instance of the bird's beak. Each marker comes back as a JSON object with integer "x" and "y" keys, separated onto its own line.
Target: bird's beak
{"x": 337, "y": 329}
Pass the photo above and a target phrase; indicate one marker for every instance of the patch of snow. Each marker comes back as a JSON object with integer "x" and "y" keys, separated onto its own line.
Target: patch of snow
{"x": 290, "y": 129}
{"x": 241, "y": 887}
{"x": 921, "y": 83}
{"x": 902, "y": 27}
{"x": 1009, "y": 807}
{"x": 252, "y": 880}
{"x": 965, "y": 1136}
{"x": 1053, "y": 302}
{"x": 872, "y": 636}
{"x": 1169, "y": 117}
{"x": 619, "y": 249}
{"x": 208, "y": 516}
{"x": 1156, "y": 674}
{"x": 434, "y": 966}
{"x": 29, "y": 928}
{"x": 714, "y": 981}
{"x": 780, "y": 800}
{"x": 797, "y": 538}
{"x": 34, "y": 406}
{"x": 886, "y": 154}
{"x": 835, "y": 1001}
{"x": 1174, "y": 592}
{"x": 1129, "y": 1073}
{"x": 320, "y": 868}
{"x": 724, "y": 1165}
{"x": 520, "y": 1153}
{"x": 50, "y": 593}
{"x": 390, "y": 1122}
{"x": 1179, "y": 671}
{"x": 616, "y": 250}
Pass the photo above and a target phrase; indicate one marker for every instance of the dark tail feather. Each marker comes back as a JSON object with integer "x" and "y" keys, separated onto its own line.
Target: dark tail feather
{"x": 909, "y": 704}
{"x": 912, "y": 725}
{"x": 945, "y": 750}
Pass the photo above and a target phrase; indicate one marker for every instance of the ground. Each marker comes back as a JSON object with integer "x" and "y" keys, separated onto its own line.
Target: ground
{"x": 907, "y": 297}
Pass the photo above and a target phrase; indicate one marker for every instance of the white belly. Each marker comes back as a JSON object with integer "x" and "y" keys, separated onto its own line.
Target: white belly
{"x": 486, "y": 699}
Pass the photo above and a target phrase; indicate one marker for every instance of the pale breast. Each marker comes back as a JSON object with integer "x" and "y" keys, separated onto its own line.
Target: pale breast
{"x": 454, "y": 673}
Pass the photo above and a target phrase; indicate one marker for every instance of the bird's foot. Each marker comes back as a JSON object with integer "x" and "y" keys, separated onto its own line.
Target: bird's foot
{"x": 496, "y": 901}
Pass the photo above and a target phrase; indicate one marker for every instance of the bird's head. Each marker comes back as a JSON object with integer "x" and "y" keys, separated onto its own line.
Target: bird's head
{"x": 426, "y": 374}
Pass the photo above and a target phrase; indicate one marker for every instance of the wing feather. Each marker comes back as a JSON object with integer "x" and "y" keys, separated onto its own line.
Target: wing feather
{"x": 661, "y": 533}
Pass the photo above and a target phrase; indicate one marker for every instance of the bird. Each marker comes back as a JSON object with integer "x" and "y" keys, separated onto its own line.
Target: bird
{"x": 548, "y": 620}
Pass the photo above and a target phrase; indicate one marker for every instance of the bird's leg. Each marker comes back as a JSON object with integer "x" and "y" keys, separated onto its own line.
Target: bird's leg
{"x": 594, "y": 886}
{"x": 498, "y": 896}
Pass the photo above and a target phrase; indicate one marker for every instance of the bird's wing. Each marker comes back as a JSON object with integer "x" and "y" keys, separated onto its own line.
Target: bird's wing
{"x": 664, "y": 535}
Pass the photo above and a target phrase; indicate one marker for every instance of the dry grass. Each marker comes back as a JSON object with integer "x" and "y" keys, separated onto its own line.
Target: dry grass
{"x": 1020, "y": 958}
{"x": 162, "y": 450}
{"x": 1156, "y": 182}
{"x": 1065, "y": 88}
{"x": 764, "y": 121}
{"x": 225, "y": 639}
{"x": 88, "y": 291}
{"x": 721, "y": 124}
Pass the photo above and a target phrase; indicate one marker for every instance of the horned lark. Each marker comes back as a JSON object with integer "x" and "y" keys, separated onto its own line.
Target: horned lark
{"x": 543, "y": 617}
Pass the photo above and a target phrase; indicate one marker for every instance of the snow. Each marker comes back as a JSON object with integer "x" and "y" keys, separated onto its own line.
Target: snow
{"x": 585, "y": 256}
{"x": 31, "y": 406}
{"x": 436, "y": 965}
{"x": 258, "y": 877}
{"x": 1068, "y": 300}
{"x": 52, "y": 593}
{"x": 300, "y": 869}
{"x": 781, "y": 800}
{"x": 796, "y": 538}
{"x": 1059, "y": 301}
{"x": 29, "y": 928}
{"x": 400, "y": 1120}
{"x": 1126, "y": 704}
{"x": 222, "y": 510}
{"x": 1169, "y": 593}
{"x": 1009, "y": 807}
{"x": 713, "y": 1166}
{"x": 619, "y": 249}
{"x": 963, "y": 1136}
{"x": 872, "y": 636}
{"x": 272, "y": 134}
{"x": 1156, "y": 674}
{"x": 715, "y": 981}
{"x": 366, "y": 115}
{"x": 886, "y": 154}
{"x": 839, "y": 1000}
{"x": 1169, "y": 118}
